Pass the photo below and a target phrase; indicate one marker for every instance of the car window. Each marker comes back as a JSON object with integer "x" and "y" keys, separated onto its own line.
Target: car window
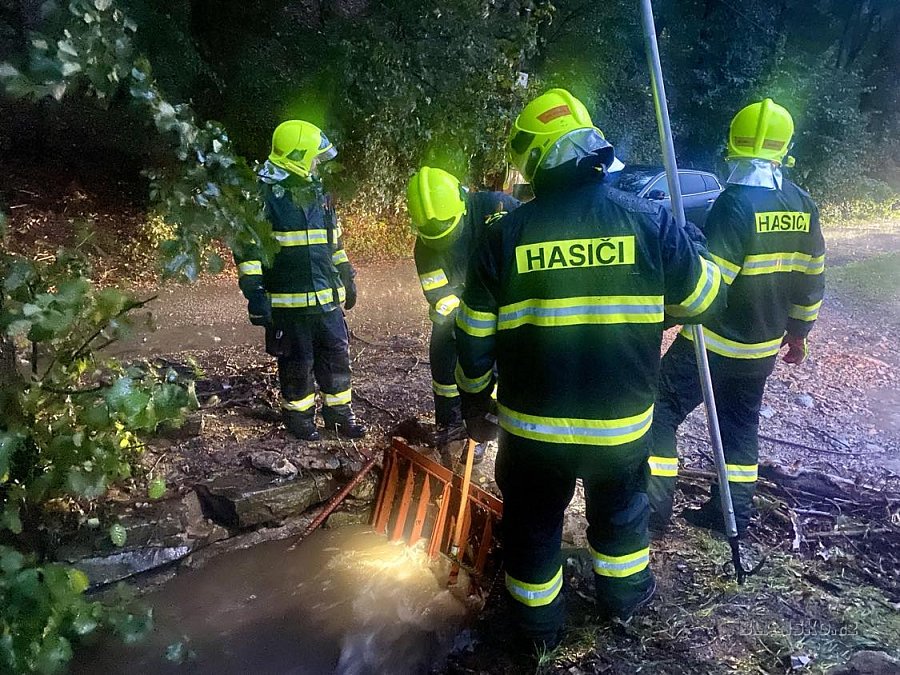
{"x": 661, "y": 185}
{"x": 633, "y": 180}
{"x": 711, "y": 183}
{"x": 691, "y": 183}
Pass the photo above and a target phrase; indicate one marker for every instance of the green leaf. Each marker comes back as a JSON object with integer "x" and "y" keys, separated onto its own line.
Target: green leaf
{"x": 10, "y": 442}
{"x": 90, "y": 483}
{"x": 10, "y": 560}
{"x": 118, "y": 535}
{"x": 125, "y": 398}
{"x": 156, "y": 488}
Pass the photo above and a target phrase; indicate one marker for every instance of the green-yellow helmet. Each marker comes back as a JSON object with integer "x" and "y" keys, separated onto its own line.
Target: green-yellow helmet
{"x": 298, "y": 145}
{"x": 541, "y": 124}
{"x": 761, "y": 131}
{"x": 436, "y": 203}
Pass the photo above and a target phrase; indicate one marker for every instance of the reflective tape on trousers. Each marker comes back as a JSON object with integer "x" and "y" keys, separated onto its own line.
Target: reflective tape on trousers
{"x": 445, "y": 390}
{"x": 341, "y": 398}
{"x": 535, "y": 595}
{"x": 301, "y": 405}
{"x": 620, "y": 566}
{"x": 664, "y": 467}
{"x": 742, "y": 473}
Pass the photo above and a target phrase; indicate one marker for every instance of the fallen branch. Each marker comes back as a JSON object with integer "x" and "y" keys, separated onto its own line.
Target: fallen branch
{"x": 849, "y": 532}
{"x": 372, "y": 403}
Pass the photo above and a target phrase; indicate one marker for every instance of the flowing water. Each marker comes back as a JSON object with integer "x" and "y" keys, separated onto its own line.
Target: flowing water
{"x": 344, "y": 601}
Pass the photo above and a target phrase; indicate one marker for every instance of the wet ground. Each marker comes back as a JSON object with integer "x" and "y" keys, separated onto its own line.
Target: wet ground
{"x": 344, "y": 601}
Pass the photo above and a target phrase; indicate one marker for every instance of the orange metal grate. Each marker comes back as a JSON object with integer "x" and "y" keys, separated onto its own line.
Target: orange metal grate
{"x": 417, "y": 499}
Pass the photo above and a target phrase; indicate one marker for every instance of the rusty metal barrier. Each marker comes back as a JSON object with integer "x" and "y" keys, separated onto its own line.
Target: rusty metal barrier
{"x": 417, "y": 500}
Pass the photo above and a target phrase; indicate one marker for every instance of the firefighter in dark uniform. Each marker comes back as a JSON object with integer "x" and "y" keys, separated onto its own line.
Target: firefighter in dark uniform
{"x": 298, "y": 299}
{"x": 764, "y": 234}
{"x": 449, "y": 223}
{"x": 567, "y": 298}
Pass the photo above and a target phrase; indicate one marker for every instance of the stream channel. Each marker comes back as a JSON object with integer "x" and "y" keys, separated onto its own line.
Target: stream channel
{"x": 343, "y": 601}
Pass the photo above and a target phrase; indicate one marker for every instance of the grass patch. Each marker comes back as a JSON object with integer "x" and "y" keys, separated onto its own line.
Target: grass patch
{"x": 874, "y": 280}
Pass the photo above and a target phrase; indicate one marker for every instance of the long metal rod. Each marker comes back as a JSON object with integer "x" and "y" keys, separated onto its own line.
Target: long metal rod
{"x": 671, "y": 166}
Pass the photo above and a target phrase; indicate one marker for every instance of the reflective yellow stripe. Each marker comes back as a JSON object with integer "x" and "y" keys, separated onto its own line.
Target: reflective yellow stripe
{"x": 341, "y": 398}
{"x": 445, "y": 390}
{"x": 736, "y": 350}
{"x": 620, "y": 566}
{"x": 342, "y": 293}
{"x": 249, "y": 268}
{"x": 577, "y": 431}
{"x": 729, "y": 269}
{"x": 321, "y": 297}
{"x": 475, "y": 323}
{"x": 593, "y": 309}
{"x": 302, "y": 237}
{"x": 742, "y": 473}
{"x": 446, "y": 305}
{"x": 666, "y": 467}
{"x": 703, "y": 294}
{"x": 339, "y": 257}
{"x": 433, "y": 280}
{"x": 769, "y": 263}
{"x": 535, "y": 595}
{"x": 805, "y": 312}
{"x": 302, "y": 405}
{"x": 472, "y": 386}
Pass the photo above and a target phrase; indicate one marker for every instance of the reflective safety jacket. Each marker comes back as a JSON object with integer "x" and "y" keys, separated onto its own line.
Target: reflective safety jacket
{"x": 307, "y": 273}
{"x": 568, "y": 296}
{"x": 442, "y": 273}
{"x": 769, "y": 246}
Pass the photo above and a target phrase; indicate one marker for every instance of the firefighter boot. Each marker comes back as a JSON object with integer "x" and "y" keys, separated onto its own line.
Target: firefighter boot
{"x": 300, "y": 426}
{"x": 345, "y": 425}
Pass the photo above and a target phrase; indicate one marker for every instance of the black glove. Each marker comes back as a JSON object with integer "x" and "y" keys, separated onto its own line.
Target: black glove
{"x": 482, "y": 428}
{"x": 694, "y": 233}
{"x": 350, "y": 289}
{"x": 259, "y": 307}
{"x": 348, "y": 278}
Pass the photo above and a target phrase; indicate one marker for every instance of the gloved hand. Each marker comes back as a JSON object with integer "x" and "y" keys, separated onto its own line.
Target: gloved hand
{"x": 482, "y": 428}
{"x": 259, "y": 307}
{"x": 694, "y": 233}
{"x": 798, "y": 349}
{"x": 350, "y": 289}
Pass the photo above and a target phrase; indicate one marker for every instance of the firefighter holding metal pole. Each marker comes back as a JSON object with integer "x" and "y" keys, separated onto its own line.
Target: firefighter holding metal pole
{"x": 566, "y": 294}
{"x": 764, "y": 234}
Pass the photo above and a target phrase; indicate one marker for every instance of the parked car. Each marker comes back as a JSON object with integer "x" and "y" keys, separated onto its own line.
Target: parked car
{"x": 699, "y": 188}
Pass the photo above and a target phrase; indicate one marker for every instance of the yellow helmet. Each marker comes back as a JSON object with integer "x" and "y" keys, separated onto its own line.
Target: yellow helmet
{"x": 435, "y": 201}
{"x": 298, "y": 145}
{"x": 761, "y": 131}
{"x": 541, "y": 124}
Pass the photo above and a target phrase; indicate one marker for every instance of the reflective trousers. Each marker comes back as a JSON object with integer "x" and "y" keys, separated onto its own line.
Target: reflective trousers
{"x": 442, "y": 355}
{"x": 313, "y": 348}
{"x": 738, "y": 388}
{"x": 538, "y": 481}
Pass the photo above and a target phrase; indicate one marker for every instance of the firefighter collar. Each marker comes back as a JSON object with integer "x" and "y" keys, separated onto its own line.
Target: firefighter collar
{"x": 271, "y": 174}
{"x": 755, "y": 173}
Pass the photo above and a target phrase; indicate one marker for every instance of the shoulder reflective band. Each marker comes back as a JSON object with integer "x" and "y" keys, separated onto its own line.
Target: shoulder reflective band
{"x": 742, "y": 473}
{"x": 665, "y": 467}
{"x": 729, "y": 269}
{"x": 736, "y": 350}
{"x": 341, "y": 398}
{"x": 576, "y": 431}
{"x": 445, "y": 390}
{"x": 620, "y": 566}
{"x": 769, "y": 263}
{"x": 609, "y": 309}
{"x": 433, "y": 280}
{"x": 535, "y": 595}
{"x": 249, "y": 268}
{"x": 475, "y": 323}
{"x": 301, "y": 405}
{"x": 321, "y": 297}
{"x": 472, "y": 386}
{"x": 704, "y": 292}
{"x": 339, "y": 257}
{"x": 805, "y": 312}
{"x": 302, "y": 237}
{"x": 446, "y": 305}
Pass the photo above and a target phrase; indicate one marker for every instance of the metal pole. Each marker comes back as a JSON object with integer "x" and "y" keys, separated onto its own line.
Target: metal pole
{"x": 671, "y": 166}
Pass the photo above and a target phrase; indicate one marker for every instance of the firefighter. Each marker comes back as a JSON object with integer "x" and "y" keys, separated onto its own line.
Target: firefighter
{"x": 449, "y": 222}
{"x": 567, "y": 298}
{"x": 764, "y": 234}
{"x": 298, "y": 299}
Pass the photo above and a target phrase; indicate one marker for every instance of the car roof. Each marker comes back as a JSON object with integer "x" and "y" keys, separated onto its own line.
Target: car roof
{"x": 661, "y": 169}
